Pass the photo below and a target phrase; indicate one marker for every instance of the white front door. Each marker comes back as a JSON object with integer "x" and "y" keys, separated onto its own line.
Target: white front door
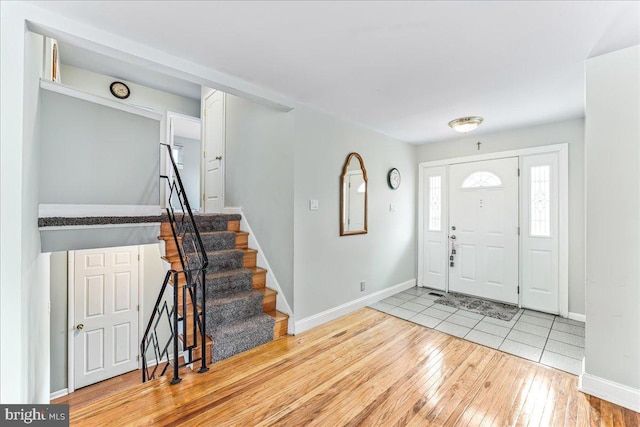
{"x": 214, "y": 134}
{"x": 483, "y": 225}
{"x": 105, "y": 337}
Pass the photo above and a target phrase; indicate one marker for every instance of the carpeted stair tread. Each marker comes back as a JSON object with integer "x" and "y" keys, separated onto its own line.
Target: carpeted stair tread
{"x": 241, "y": 335}
{"x": 222, "y": 282}
{"x": 217, "y": 222}
{"x": 229, "y": 308}
{"x": 224, "y": 260}
{"x": 214, "y": 241}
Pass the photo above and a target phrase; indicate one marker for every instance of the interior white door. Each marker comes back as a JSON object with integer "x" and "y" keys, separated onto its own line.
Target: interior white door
{"x": 213, "y": 136}
{"x": 539, "y": 240}
{"x": 483, "y": 199}
{"x": 434, "y": 222}
{"x": 105, "y": 314}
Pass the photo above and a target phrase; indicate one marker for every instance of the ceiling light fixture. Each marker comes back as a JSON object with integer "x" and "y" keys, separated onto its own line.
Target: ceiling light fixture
{"x": 465, "y": 124}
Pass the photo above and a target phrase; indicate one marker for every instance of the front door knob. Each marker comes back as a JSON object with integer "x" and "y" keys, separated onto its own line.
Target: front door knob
{"x": 218, "y": 157}
{"x": 80, "y": 326}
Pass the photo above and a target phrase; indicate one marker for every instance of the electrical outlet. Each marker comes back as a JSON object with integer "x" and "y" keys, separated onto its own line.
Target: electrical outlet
{"x": 362, "y": 286}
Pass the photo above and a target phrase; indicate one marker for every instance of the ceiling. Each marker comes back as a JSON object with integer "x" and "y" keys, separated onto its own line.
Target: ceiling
{"x": 404, "y": 69}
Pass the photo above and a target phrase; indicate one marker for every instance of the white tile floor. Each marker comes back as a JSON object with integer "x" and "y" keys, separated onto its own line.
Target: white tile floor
{"x": 551, "y": 340}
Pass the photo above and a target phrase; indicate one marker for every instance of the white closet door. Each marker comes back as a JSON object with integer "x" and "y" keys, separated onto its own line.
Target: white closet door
{"x": 105, "y": 314}
{"x": 539, "y": 238}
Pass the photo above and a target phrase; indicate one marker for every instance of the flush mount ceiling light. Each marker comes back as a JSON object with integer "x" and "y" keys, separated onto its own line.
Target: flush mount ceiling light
{"x": 465, "y": 124}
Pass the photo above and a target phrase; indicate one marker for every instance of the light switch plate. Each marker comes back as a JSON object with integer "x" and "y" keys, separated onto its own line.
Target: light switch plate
{"x": 314, "y": 205}
{"x": 393, "y": 207}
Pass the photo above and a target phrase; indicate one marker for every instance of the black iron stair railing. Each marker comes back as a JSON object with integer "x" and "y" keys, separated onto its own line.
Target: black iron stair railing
{"x": 170, "y": 314}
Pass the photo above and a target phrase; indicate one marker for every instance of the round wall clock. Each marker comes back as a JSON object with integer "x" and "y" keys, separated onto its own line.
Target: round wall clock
{"x": 393, "y": 177}
{"x": 119, "y": 90}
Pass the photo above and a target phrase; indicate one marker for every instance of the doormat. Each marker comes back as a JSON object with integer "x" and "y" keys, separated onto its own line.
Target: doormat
{"x": 485, "y": 307}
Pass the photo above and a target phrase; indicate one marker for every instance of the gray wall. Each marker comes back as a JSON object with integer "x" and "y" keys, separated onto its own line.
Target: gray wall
{"x": 190, "y": 173}
{"x": 328, "y": 268}
{"x": 612, "y": 341}
{"x": 58, "y": 320}
{"x": 571, "y": 132}
{"x": 92, "y": 154}
{"x": 259, "y": 178}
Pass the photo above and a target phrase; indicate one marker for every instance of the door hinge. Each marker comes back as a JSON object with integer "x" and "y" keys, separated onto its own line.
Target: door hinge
{"x": 518, "y": 289}
{"x": 138, "y": 307}
{"x": 138, "y": 257}
{"x": 203, "y": 198}
{"x": 204, "y": 154}
{"x": 137, "y": 358}
{"x": 518, "y": 231}
{"x": 518, "y": 171}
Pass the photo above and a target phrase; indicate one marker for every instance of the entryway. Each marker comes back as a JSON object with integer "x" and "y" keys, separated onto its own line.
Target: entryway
{"x": 104, "y": 314}
{"x": 495, "y": 226}
{"x": 540, "y": 337}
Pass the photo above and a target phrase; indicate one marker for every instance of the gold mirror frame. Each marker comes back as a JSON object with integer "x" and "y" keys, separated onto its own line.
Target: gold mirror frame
{"x": 343, "y": 232}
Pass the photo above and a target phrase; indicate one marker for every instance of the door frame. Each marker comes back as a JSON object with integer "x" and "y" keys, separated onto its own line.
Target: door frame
{"x": 71, "y": 277}
{"x": 562, "y": 151}
{"x": 168, "y": 169}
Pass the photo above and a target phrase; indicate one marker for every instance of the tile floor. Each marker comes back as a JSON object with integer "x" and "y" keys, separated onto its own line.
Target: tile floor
{"x": 551, "y": 340}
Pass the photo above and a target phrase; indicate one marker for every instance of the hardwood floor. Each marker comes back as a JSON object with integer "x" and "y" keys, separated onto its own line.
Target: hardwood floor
{"x": 367, "y": 368}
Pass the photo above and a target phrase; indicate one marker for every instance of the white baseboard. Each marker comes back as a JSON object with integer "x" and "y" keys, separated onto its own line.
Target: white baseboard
{"x": 577, "y": 316}
{"x": 341, "y": 310}
{"x": 59, "y": 393}
{"x": 610, "y": 391}
{"x": 272, "y": 282}
{"x": 79, "y": 211}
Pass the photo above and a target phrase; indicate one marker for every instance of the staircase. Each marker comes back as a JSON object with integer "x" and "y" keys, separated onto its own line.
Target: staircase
{"x": 240, "y": 311}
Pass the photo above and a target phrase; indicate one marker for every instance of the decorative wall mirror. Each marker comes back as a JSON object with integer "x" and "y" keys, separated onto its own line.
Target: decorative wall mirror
{"x": 353, "y": 196}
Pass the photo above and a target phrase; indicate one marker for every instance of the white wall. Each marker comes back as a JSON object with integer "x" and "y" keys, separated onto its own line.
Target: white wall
{"x": 93, "y": 154}
{"x": 571, "y": 132}
{"x": 24, "y": 368}
{"x": 328, "y": 268}
{"x": 612, "y": 342}
{"x": 259, "y": 178}
{"x": 142, "y": 96}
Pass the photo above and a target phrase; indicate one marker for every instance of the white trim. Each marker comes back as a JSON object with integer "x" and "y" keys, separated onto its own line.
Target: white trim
{"x": 272, "y": 282}
{"x": 344, "y": 309}
{"x": 563, "y": 195}
{"x": 497, "y": 155}
{"x": 80, "y": 211}
{"x": 58, "y": 394}
{"x": 563, "y": 229}
{"x": 610, "y": 391}
{"x": 141, "y": 327}
{"x": 86, "y": 96}
{"x": 85, "y": 227}
{"x": 71, "y": 278}
{"x": 577, "y": 316}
